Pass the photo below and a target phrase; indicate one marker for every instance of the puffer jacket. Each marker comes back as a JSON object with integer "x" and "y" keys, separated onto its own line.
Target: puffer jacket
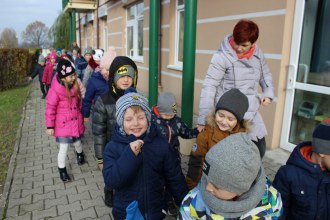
{"x": 62, "y": 115}
{"x": 96, "y": 86}
{"x": 38, "y": 70}
{"x": 205, "y": 141}
{"x": 225, "y": 72}
{"x": 48, "y": 73}
{"x": 172, "y": 129}
{"x": 142, "y": 177}
{"x": 304, "y": 186}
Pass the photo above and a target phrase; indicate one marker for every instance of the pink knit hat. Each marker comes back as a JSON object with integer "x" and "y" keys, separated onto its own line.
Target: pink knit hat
{"x": 108, "y": 57}
{"x": 53, "y": 55}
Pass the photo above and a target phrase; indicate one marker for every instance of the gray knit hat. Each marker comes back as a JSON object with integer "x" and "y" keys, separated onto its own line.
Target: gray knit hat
{"x": 321, "y": 138}
{"x": 232, "y": 164}
{"x": 88, "y": 50}
{"x": 41, "y": 58}
{"x": 235, "y": 102}
{"x": 166, "y": 103}
{"x": 131, "y": 98}
{"x": 125, "y": 70}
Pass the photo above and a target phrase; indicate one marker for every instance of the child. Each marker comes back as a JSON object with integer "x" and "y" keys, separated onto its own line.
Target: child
{"x": 168, "y": 124}
{"x": 233, "y": 185}
{"x": 39, "y": 70}
{"x": 170, "y": 127}
{"x": 48, "y": 71}
{"x": 84, "y": 67}
{"x": 227, "y": 120}
{"x": 304, "y": 182}
{"x": 138, "y": 163}
{"x": 97, "y": 85}
{"x": 63, "y": 115}
{"x": 123, "y": 74}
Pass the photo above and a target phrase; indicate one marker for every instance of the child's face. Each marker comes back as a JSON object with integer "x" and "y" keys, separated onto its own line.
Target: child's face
{"x": 87, "y": 57}
{"x": 69, "y": 79}
{"x": 52, "y": 60}
{"x": 124, "y": 82}
{"x": 220, "y": 193}
{"x": 225, "y": 120}
{"x": 135, "y": 122}
{"x": 326, "y": 161}
{"x": 167, "y": 116}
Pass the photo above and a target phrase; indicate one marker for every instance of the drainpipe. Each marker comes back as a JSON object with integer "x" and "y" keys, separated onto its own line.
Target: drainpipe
{"x": 189, "y": 47}
{"x": 73, "y": 25}
{"x": 79, "y": 30}
{"x": 97, "y": 26}
{"x": 153, "y": 51}
{"x": 70, "y": 23}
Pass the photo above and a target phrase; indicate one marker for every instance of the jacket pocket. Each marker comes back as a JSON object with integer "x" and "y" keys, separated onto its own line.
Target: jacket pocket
{"x": 301, "y": 200}
{"x": 61, "y": 121}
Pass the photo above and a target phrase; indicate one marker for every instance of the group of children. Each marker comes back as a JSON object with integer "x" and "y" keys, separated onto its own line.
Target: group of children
{"x": 138, "y": 151}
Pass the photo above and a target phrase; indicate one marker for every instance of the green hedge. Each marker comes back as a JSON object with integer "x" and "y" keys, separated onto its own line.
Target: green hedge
{"x": 15, "y": 66}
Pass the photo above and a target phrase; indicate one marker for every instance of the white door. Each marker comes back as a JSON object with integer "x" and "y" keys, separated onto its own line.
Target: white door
{"x": 308, "y": 89}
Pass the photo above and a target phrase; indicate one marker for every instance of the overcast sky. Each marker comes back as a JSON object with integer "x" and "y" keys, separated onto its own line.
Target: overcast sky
{"x": 17, "y": 14}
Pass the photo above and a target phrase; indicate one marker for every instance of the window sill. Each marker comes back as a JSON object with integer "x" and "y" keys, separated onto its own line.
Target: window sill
{"x": 175, "y": 67}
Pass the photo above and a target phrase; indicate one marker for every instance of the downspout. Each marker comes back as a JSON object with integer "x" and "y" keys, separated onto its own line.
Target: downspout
{"x": 79, "y": 29}
{"x": 189, "y": 47}
{"x": 153, "y": 51}
{"x": 97, "y": 26}
{"x": 70, "y": 23}
{"x": 160, "y": 87}
{"x": 73, "y": 25}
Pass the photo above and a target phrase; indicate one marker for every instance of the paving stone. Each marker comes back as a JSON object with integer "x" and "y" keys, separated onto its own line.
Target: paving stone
{"x": 54, "y": 187}
{"x": 26, "y": 216}
{"x": 51, "y": 212}
{"x": 72, "y": 207}
{"x": 48, "y": 182}
{"x": 25, "y": 208}
{"x": 56, "y": 202}
{"x": 105, "y": 217}
{"x": 26, "y": 192}
{"x": 49, "y": 195}
{"x": 42, "y": 171}
{"x": 92, "y": 187}
{"x": 80, "y": 196}
{"x": 98, "y": 201}
{"x": 21, "y": 187}
{"x": 88, "y": 213}
{"x": 103, "y": 210}
{"x": 20, "y": 201}
{"x": 96, "y": 193}
{"x": 12, "y": 211}
{"x": 65, "y": 216}
{"x": 32, "y": 179}
{"x": 76, "y": 183}
{"x": 70, "y": 191}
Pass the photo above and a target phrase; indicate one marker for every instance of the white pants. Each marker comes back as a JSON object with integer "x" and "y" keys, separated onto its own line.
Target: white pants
{"x": 61, "y": 157}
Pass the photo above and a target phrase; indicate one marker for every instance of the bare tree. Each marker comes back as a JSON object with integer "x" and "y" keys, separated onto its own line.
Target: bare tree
{"x": 8, "y": 38}
{"x": 36, "y": 34}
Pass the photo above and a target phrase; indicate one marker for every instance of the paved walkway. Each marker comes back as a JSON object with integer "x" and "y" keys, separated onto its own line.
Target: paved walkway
{"x": 34, "y": 190}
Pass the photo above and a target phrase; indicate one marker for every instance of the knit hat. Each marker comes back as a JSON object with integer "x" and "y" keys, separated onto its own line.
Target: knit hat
{"x": 123, "y": 66}
{"x": 108, "y": 57}
{"x": 235, "y": 102}
{"x": 88, "y": 50}
{"x": 58, "y": 51}
{"x": 53, "y": 55}
{"x": 64, "y": 68}
{"x": 166, "y": 103}
{"x": 98, "y": 54}
{"x": 321, "y": 138}
{"x": 232, "y": 164}
{"x": 41, "y": 58}
{"x": 130, "y": 98}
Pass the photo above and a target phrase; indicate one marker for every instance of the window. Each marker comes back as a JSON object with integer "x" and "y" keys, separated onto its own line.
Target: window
{"x": 105, "y": 36}
{"x": 134, "y": 31}
{"x": 179, "y": 32}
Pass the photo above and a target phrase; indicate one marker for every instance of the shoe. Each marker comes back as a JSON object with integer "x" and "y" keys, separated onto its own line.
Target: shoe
{"x": 108, "y": 197}
{"x": 172, "y": 209}
{"x": 81, "y": 158}
{"x": 64, "y": 175}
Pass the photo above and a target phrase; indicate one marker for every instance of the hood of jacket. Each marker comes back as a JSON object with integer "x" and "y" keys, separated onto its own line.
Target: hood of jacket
{"x": 298, "y": 160}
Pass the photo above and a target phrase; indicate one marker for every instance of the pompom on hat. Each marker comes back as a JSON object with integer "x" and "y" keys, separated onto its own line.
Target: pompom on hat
{"x": 235, "y": 102}
{"x": 321, "y": 138}
{"x": 64, "y": 68}
{"x": 131, "y": 98}
{"x": 108, "y": 57}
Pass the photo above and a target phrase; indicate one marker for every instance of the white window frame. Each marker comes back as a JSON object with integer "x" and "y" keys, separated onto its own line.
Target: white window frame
{"x": 179, "y": 9}
{"x": 134, "y": 23}
{"x": 105, "y": 36}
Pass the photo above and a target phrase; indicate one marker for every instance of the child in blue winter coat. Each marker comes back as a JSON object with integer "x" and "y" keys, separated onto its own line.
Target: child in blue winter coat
{"x": 304, "y": 182}
{"x": 138, "y": 163}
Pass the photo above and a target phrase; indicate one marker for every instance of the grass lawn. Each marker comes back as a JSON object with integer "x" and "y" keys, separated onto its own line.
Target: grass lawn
{"x": 11, "y": 107}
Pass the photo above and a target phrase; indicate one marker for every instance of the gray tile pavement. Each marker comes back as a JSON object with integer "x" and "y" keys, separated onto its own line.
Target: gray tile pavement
{"x": 34, "y": 190}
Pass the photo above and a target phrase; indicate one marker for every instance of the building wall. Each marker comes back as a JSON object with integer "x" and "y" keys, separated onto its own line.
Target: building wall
{"x": 215, "y": 19}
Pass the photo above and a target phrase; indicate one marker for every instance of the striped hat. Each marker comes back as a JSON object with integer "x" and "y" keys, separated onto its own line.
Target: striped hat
{"x": 321, "y": 138}
{"x": 131, "y": 98}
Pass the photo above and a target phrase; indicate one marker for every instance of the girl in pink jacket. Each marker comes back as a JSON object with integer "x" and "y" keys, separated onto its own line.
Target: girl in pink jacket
{"x": 63, "y": 114}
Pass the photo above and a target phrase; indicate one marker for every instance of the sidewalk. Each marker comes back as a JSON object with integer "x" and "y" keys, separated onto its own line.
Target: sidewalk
{"x": 34, "y": 189}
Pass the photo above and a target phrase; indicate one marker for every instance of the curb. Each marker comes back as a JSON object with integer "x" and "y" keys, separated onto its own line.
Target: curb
{"x": 12, "y": 163}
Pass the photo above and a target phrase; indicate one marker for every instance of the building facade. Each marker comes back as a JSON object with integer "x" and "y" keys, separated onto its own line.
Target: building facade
{"x": 293, "y": 36}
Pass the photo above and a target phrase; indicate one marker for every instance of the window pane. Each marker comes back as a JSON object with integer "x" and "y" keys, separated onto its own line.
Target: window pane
{"x": 129, "y": 41}
{"x": 140, "y": 38}
{"x": 181, "y": 30}
{"x": 140, "y": 9}
{"x": 180, "y": 2}
{"x": 131, "y": 13}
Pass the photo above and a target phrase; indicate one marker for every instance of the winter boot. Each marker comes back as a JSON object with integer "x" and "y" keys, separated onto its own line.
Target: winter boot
{"x": 108, "y": 197}
{"x": 81, "y": 158}
{"x": 64, "y": 175}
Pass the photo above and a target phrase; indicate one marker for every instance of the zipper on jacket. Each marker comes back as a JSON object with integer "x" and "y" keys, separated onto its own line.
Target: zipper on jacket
{"x": 144, "y": 186}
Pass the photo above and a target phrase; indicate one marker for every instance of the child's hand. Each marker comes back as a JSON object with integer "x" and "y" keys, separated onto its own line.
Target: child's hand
{"x": 265, "y": 101}
{"x": 200, "y": 128}
{"x": 50, "y": 132}
{"x": 86, "y": 119}
{"x": 136, "y": 146}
